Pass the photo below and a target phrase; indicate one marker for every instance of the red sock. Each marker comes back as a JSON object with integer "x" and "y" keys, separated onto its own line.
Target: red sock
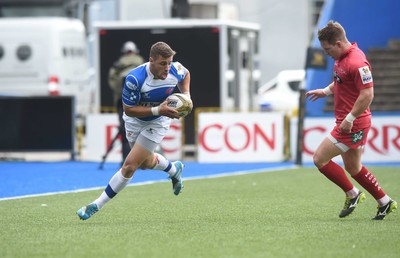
{"x": 336, "y": 174}
{"x": 368, "y": 181}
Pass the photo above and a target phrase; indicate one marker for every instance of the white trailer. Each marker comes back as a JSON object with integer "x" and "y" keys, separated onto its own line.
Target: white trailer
{"x": 45, "y": 56}
{"x": 222, "y": 57}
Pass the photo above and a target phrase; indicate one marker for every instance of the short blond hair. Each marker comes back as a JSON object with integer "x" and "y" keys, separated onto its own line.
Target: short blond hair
{"x": 332, "y": 32}
{"x": 161, "y": 49}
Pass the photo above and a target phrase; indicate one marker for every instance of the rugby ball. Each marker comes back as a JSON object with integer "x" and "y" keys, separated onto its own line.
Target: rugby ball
{"x": 182, "y": 103}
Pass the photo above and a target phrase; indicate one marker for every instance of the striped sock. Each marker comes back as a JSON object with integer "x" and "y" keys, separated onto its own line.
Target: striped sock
{"x": 116, "y": 184}
{"x": 164, "y": 164}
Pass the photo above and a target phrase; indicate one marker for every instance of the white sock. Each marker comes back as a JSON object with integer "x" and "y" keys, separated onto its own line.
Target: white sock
{"x": 383, "y": 201}
{"x": 116, "y": 184}
{"x": 353, "y": 192}
{"x": 164, "y": 164}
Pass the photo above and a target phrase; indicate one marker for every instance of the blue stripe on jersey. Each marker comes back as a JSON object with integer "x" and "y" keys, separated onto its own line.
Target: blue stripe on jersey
{"x": 131, "y": 90}
{"x": 141, "y": 89}
{"x": 110, "y": 192}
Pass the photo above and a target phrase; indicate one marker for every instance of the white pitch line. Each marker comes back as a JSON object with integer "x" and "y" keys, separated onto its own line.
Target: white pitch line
{"x": 235, "y": 173}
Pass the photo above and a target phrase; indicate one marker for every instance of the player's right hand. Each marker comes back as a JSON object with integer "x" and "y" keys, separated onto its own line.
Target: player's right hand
{"x": 313, "y": 95}
{"x": 167, "y": 111}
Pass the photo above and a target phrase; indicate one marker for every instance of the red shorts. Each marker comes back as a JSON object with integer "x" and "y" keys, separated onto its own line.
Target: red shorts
{"x": 353, "y": 140}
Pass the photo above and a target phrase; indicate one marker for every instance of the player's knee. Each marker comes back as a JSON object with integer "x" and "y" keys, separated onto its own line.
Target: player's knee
{"x": 129, "y": 167}
{"x": 318, "y": 161}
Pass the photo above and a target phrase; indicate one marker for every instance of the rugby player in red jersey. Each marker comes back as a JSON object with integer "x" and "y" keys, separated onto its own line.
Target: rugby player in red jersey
{"x": 353, "y": 93}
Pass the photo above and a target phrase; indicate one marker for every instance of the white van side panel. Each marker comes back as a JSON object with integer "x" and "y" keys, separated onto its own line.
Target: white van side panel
{"x": 57, "y": 48}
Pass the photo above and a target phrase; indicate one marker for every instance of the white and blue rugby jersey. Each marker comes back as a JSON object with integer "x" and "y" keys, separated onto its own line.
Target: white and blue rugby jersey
{"x": 141, "y": 89}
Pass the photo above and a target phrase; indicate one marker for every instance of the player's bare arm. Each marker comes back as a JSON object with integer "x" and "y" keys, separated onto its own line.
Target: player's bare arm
{"x": 184, "y": 85}
{"x": 140, "y": 111}
{"x": 362, "y": 103}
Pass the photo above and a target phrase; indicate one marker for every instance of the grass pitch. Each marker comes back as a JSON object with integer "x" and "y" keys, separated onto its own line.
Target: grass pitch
{"x": 291, "y": 213}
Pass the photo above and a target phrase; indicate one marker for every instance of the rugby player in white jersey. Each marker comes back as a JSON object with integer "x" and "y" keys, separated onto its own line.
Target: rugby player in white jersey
{"x": 147, "y": 120}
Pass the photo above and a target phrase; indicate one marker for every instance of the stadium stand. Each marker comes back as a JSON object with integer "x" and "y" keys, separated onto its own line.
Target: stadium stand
{"x": 385, "y": 64}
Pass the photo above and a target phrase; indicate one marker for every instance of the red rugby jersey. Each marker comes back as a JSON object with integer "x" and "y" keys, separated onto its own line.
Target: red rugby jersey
{"x": 352, "y": 73}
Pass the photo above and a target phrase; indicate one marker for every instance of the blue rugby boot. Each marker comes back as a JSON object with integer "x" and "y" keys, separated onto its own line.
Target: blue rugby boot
{"x": 87, "y": 211}
{"x": 176, "y": 179}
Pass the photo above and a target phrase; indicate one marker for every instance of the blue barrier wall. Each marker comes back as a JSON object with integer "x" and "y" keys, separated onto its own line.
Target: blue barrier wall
{"x": 370, "y": 23}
